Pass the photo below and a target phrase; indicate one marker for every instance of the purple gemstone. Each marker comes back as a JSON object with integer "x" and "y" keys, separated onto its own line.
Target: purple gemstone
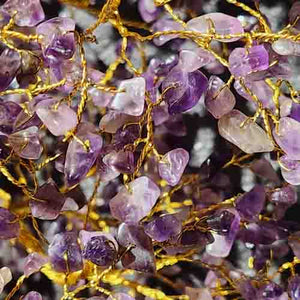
{"x": 163, "y": 228}
{"x": 100, "y": 251}
{"x": 65, "y": 245}
{"x": 26, "y": 143}
{"x": 126, "y": 135}
{"x": 141, "y": 256}
{"x": 264, "y": 169}
{"x": 247, "y": 290}
{"x": 131, "y": 101}
{"x": 290, "y": 170}
{"x": 78, "y": 159}
{"x": 271, "y": 291}
{"x": 191, "y": 60}
{"x": 251, "y": 204}
{"x": 29, "y": 12}
{"x": 58, "y": 121}
{"x": 172, "y": 165}
{"x": 187, "y": 91}
{"x": 294, "y": 287}
{"x": 9, "y": 225}
{"x": 10, "y": 62}
{"x": 33, "y": 262}
{"x": 250, "y": 138}
{"x": 243, "y": 62}
{"x": 219, "y": 100}
{"x": 221, "y": 222}
{"x": 148, "y": 10}
{"x": 58, "y": 41}
{"x": 165, "y": 25}
{"x": 49, "y": 202}
{"x": 33, "y": 296}
{"x": 223, "y": 25}
{"x": 127, "y": 206}
{"x": 223, "y": 243}
{"x": 9, "y": 112}
{"x": 122, "y": 161}
{"x": 287, "y": 137}
{"x": 286, "y": 196}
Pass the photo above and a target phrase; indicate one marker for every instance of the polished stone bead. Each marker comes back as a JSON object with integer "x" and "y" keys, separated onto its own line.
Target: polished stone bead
{"x": 29, "y": 12}
{"x": 127, "y": 207}
{"x": 250, "y": 138}
{"x": 251, "y": 204}
{"x": 58, "y": 41}
{"x": 64, "y": 249}
{"x": 288, "y": 137}
{"x": 121, "y": 161}
{"x": 191, "y": 60}
{"x": 33, "y": 262}
{"x": 48, "y": 202}
{"x": 219, "y": 100}
{"x": 79, "y": 160}
{"x": 58, "y": 121}
{"x": 244, "y": 61}
{"x": 141, "y": 256}
{"x": 10, "y": 62}
{"x": 26, "y": 143}
{"x": 222, "y": 244}
{"x": 33, "y": 296}
{"x": 148, "y": 10}
{"x": 113, "y": 120}
{"x": 294, "y": 287}
{"x": 222, "y": 24}
{"x": 162, "y": 228}
{"x": 172, "y": 165}
{"x": 131, "y": 101}
{"x": 164, "y": 24}
{"x": 187, "y": 89}
{"x": 100, "y": 251}
{"x": 290, "y": 170}
{"x": 9, "y": 225}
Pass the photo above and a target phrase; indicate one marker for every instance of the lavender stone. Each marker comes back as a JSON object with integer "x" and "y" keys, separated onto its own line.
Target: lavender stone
{"x": 33, "y": 262}
{"x": 9, "y": 225}
{"x": 33, "y": 296}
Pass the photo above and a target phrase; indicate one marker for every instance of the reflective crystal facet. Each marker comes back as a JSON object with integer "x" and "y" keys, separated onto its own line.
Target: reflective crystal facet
{"x": 65, "y": 245}
{"x": 130, "y": 206}
{"x": 172, "y": 165}
{"x": 219, "y": 100}
{"x": 132, "y": 100}
{"x": 250, "y": 138}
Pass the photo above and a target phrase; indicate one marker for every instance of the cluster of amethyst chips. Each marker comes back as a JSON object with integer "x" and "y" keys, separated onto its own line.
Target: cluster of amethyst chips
{"x": 100, "y": 188}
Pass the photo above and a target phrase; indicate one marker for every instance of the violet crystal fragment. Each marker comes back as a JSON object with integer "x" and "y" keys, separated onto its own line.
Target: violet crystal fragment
{"x": 33, "y": 262}
{"x": 294, "y": 287}
{"x": 9, "y": 225}
{"x": 33, "y": 296}
{"x": 186, "y": 89}
{"x": 130, "y": 206}
{"x": 172, "y": 165}
{"x": 141, "y": 256}
{"x": 64, "y": 249}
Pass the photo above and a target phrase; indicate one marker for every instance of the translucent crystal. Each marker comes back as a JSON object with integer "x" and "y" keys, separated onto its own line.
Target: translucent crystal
{"x": 148, "y": 11}
{"x": 294, "y": 287}
{"x": 58, "y": 121}
{"x": 250, "y": 138}
{"x": 244, "y": 61}
{"x": 219, "y": 100}
{"x": 33, "y": 262}
{"x": 141, "y": 255}
{"x": 9, "y": 226}
{"x": 287, "y": 137}
{"x": 121, "y": 161}
{"x": 163, "y": 228}
{"x": 186, "y": 89}
{"x": 48, "y": 202}
{"x": 64, "y": 249}
{"x": 290, "y": 170}
{"x": 33, "y": 296}
{"x": 131, "y": 100}
{"x": 222, "y": 24}
{"x": 26, "y": 143}
{"x": 29, "y": 12}
{"x": 10, "y": 62}
{"x": 172, "y": 165}
{"x": 58, "y": 41}
{"x": 127, "y": 206}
